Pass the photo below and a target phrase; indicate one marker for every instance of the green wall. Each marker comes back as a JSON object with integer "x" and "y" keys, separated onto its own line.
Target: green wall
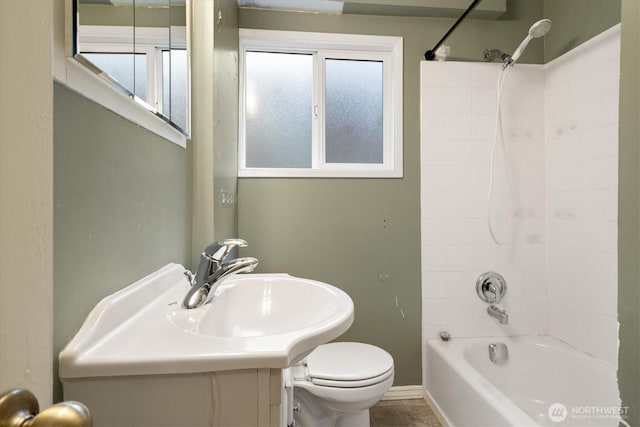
{"x": 575, "y": 22}
{"x": 629, "y": 213}
{"x": 214, "y": 120}
{"x": 122, "y": 207}
{"x": 225, "y": 119}
{"x": 363, "y": 235}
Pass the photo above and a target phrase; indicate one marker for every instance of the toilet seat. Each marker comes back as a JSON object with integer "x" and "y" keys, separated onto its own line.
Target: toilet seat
{"x": 353, "y": 384}
{"x": 347, "y": 365}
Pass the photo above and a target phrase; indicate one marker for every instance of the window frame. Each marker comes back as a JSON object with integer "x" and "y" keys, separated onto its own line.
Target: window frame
{"x": 387, "y": 49}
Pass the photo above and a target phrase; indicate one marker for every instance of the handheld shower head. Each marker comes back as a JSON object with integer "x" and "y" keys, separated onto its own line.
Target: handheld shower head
{"x": 537, "y": 30}
{"x": 540, "y": 28}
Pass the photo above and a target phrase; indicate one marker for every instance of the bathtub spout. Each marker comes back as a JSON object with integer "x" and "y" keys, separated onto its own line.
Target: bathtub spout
{"x": 498, "y": 313}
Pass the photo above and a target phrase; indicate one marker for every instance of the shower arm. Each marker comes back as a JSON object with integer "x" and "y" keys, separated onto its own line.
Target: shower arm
{"x": 431, "y": 54}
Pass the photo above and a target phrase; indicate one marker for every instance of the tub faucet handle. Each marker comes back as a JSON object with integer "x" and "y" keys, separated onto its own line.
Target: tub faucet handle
{"x": 491, "y": 287}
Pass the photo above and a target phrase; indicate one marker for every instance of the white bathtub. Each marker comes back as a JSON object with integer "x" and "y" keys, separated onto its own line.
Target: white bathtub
{"x": 470, "y": 390}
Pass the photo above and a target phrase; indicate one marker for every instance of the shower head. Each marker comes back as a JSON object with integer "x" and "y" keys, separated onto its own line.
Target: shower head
{"x": 540, "y": 28}
{"x": 537, "y": 30}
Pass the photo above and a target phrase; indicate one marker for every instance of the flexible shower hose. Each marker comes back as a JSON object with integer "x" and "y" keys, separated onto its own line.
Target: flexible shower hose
{"x": 498, "y": 136}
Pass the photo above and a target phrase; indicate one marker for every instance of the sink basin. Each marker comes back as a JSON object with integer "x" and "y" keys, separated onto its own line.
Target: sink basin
{"x": 247, "y": 306}
{"x": 253, "y": 321}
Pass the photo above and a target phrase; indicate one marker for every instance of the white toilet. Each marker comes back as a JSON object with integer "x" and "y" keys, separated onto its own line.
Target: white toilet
{"x": 338, "y": 382}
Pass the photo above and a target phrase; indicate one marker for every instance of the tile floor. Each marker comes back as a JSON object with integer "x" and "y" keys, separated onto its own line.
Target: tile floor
{"x": 403, "y": 413}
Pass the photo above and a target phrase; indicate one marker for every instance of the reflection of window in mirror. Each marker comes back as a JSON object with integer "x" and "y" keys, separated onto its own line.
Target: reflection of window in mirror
{"x": 175, "y": 88}
{"x": 129, "y": 72}
{"x": 141, "y": 46}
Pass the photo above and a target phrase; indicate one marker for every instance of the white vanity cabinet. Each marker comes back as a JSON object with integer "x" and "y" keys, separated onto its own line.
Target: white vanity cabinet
{"x": 249, "y": 397}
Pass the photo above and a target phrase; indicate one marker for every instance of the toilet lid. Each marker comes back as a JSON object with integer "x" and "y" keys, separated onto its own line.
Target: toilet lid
{"x": 353, "y": 384}
{"x": 348, "y": 361}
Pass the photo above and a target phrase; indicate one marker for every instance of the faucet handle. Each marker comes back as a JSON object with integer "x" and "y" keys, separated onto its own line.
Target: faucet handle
{"x": 220, "y": 249}
{"x": 233, "y": 242}
{"x": 491, "y": 287}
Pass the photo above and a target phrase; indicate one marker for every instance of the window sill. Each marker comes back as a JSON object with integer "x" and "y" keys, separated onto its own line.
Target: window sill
{"x": 317, "y": 173}
{"x": 87, "y": 83}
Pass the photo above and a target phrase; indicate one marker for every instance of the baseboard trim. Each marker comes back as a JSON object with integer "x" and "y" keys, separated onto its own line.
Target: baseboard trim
{"x": 404, "y": 392}
{"x": 444, "y": 421}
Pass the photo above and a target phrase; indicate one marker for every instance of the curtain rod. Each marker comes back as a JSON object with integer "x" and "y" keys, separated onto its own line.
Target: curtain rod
{"x": 431, "y": 54}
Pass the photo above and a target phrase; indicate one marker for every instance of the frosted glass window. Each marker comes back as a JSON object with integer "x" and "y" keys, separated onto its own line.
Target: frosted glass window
{"x": 320, "y": 105}
{"x": 174, "y": 90}
{"x": 353, "y": 111}
{"x": 278, "y": 110}
{"x": 121, "y": 67}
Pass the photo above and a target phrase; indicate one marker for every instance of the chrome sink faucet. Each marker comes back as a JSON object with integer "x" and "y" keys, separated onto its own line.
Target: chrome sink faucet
{"x": 213, "y": 268}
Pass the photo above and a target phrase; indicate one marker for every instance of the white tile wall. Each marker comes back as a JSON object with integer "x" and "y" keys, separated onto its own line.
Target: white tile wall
{"x": 560, "y": 128}
{"x": 581, "y": 105}
{"x": 457, "y": 133}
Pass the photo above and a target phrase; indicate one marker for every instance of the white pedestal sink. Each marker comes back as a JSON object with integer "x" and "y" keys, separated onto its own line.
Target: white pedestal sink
{"x": 139, "y": 346}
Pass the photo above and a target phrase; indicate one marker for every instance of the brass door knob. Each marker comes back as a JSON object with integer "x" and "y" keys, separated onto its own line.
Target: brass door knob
{"x": 19, "y": 408}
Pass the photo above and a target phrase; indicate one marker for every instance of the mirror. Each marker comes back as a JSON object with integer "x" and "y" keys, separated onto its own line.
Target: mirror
{"x": 140, "y": 47}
